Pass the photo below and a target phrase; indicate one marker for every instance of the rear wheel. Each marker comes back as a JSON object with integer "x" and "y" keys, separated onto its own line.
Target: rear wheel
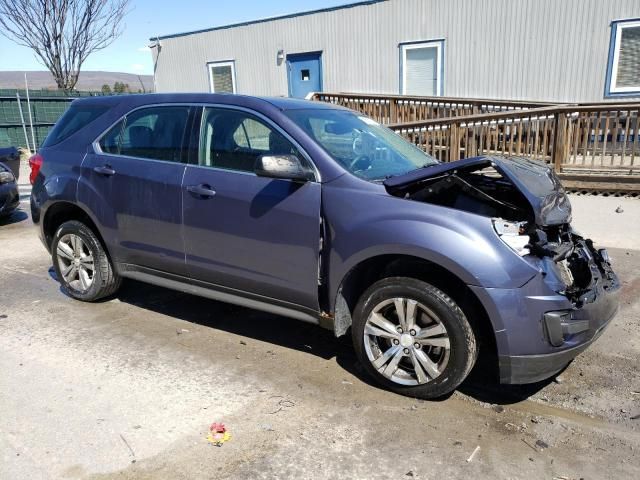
{"x": 413, "y": 338}
{"x": 81, "y": 263}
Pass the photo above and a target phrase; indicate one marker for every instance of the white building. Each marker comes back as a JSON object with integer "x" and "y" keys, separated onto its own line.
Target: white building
{"x": 549, "y": 50}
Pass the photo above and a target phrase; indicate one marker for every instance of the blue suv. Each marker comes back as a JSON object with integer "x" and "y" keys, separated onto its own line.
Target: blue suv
{"x": 319, "y": 213}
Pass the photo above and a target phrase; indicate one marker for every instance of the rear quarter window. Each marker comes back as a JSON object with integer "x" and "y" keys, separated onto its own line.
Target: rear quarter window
{"x": 75, "y": 118}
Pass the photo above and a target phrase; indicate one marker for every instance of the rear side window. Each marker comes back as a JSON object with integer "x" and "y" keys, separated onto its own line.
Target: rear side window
{"x": 76, "y": 117}
{"x": 156, "y": 133}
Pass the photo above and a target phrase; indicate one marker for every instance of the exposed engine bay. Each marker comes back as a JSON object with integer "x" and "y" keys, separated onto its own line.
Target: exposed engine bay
{"x": 530, "y": 212}
{"x": 483, "y": 191}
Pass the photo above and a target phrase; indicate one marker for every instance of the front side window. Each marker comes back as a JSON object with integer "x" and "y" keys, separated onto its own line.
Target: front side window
{"x": 233, "y": 140}
{"x": 222, "y": 77}
{"x": 624, "y": 60}
{"x": 156, "y": 133}
{"x": 421, "y": 65}
{"x": 361, "y": 145}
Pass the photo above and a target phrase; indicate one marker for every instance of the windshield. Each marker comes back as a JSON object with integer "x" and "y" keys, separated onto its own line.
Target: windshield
{"x": 361, "y": 145}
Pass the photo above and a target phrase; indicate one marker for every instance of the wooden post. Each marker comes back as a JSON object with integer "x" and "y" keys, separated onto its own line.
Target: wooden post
{"x": 393, "y": 110}
{"x": 559, "y": 154}
{"x": 471, "y": 148}
{"x": 454, "y": 142}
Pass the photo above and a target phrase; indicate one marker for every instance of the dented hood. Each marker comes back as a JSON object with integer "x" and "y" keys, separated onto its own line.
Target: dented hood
{"x": 537, "y": 182}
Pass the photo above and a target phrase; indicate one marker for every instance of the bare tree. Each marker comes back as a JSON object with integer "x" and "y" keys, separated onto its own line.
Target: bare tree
{"x": 63, "y": 33}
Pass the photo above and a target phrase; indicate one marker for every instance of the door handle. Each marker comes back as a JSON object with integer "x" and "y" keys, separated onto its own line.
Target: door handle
{"x": 201, "y": 190}
{"x": 104, "y": 170}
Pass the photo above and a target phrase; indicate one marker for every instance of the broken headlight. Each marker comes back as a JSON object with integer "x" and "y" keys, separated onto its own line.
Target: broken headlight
{"x": 513, "y": 234}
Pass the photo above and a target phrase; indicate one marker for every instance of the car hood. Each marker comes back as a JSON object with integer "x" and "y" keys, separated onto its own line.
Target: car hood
{"x": 536, "y": 182}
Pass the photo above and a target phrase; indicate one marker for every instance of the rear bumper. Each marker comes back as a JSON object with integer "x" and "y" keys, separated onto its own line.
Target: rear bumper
{"x": 36, "y": 211}
{"x": 9, "y": 198}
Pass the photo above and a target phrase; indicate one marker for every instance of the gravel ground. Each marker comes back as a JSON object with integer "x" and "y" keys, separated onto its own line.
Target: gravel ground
{"x": 127, "y": 388}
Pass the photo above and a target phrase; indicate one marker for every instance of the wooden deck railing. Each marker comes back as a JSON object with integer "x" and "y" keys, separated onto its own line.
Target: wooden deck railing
{"x": 591, "y": 145}
{"x": 589, "y": 138}
{"x": 388, "y": 109}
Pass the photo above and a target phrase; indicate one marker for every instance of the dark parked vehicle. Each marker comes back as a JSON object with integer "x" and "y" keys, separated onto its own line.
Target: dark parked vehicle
{"x": 318, "y": 213}
{"x": 11, "y": 158}
{"x": 9, "y": 196}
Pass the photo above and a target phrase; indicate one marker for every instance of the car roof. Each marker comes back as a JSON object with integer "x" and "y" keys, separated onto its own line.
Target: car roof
{"x": 281, "y": 103}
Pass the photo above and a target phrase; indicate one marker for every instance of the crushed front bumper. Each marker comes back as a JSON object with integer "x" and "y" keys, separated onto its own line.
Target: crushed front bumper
{"x": 539, "y": 331}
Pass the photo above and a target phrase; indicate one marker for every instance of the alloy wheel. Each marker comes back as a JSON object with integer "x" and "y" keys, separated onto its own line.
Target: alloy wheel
{"x": 75, "y": 262}
{"x": 406, "y": 341}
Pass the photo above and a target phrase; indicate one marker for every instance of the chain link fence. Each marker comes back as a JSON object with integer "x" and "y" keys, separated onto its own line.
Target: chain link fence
{"x": 46, "y": 107}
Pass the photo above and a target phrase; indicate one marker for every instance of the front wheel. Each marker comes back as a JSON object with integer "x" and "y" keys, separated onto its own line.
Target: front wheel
{"x": 82, "y": 264}
{"x": 413, "y": 338}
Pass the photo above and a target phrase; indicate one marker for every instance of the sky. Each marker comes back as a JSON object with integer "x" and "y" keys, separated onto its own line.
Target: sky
{"x": 148, "y": 18}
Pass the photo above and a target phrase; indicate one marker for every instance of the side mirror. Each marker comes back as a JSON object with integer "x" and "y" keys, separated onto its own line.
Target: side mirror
{"x": 286, "y": 167}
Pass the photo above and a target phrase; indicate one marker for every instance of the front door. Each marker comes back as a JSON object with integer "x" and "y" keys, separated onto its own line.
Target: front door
{"x": 133, "y": 185}
{"x": 305, "y": 74}
{"x": 244, "y": 232}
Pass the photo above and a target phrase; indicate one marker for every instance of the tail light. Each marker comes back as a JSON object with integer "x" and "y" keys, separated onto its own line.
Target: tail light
{"x": 35, "y": 163}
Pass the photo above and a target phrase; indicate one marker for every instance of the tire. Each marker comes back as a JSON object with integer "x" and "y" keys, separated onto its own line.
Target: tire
{"x": 85, "y": 285}
{"x": 443, "y": 346}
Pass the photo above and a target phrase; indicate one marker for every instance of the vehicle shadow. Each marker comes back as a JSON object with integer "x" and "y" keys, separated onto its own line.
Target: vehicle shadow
{"x": 484, "y": 387}
{"x": 296, "y": 335}
{"x": 263, "y": 326}
{"x": 16, "y": 217}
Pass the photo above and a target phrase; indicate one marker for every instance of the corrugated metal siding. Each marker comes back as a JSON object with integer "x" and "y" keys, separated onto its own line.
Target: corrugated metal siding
{"x": 526, "y": 49}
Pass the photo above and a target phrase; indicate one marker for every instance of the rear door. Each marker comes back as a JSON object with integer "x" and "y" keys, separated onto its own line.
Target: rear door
{"x": 132, "y": 183}
{"x": 244, "y": 232}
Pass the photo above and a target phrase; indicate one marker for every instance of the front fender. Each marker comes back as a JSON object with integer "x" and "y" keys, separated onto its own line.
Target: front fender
{"x": 365, "y": 223}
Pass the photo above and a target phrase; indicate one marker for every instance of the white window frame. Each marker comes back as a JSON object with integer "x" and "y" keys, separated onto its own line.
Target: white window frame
{"x": 439, "y": 46}
{"x": 619, "y": 26}
{"x": 226, "y": 63}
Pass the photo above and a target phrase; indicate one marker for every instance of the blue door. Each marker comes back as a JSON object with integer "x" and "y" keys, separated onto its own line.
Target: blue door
{"x": 305, "y": 74}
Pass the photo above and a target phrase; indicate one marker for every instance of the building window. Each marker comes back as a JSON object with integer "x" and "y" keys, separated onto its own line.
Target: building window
{"x": 623, "y": 72}
{"x": 421, "y": 68}
{"x": 222, "y": 77}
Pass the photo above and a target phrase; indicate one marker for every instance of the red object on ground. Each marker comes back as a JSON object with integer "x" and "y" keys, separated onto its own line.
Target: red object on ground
{"x": 217, "y": 427}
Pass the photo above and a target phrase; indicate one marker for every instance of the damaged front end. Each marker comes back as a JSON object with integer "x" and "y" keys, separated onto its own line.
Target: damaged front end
{"x": 571, "y": 264}
{"x": 531, "y": 213}
{"x": 513, "y": 189}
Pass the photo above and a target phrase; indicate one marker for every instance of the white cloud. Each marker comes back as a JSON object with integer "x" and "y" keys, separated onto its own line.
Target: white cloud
{"x": 137, "y": 67}
{"x": 144, "y": 49}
